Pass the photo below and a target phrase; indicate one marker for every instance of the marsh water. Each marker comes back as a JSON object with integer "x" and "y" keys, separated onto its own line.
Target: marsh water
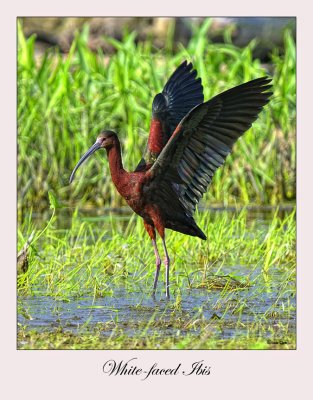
{"x": 133, "y": 310}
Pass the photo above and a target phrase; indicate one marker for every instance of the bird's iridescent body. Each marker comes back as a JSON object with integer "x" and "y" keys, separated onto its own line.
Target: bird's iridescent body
{"x": 188, "y": 141}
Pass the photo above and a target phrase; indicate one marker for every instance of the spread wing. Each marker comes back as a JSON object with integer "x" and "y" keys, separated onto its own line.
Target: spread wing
{"x": 202, "y": 141}
{"x": 182, "y": 92}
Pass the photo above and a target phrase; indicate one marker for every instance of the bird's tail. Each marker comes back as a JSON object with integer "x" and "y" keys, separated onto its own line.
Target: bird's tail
{"x": 198, "y": 232}
{"x": 188, "y": 227}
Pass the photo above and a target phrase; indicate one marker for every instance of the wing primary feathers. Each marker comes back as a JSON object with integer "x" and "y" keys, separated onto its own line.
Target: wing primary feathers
{"x": 205, "y": 136}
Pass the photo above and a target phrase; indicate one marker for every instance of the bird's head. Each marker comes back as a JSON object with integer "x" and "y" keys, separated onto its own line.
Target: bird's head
{"x": 105, "y": 140}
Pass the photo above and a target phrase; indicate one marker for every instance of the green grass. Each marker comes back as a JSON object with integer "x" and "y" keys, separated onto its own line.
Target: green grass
{"x": 65, "y": 100}
{"x": 60, "y": 340}
{"x": 90, "y": 254}
{"x": 240, "y": 264}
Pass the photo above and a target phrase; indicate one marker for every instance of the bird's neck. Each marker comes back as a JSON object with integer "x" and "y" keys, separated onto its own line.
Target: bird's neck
{"x": 117, "y": 171}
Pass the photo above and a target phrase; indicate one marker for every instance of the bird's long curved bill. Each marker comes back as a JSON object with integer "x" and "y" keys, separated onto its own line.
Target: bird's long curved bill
{"x": 88, "y": 153}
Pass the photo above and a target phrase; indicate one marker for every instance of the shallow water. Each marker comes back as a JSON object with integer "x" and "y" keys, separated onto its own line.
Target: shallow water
{"x": 132, "y": 310}
{"x": 128, "y": 309}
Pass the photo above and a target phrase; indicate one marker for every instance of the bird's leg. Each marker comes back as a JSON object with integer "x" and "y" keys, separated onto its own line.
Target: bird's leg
{"x": 167, "y": 270}
{"x": 158, "y": 265}
{"x": 159, "y": 224}
{"x": 151, "y": 231}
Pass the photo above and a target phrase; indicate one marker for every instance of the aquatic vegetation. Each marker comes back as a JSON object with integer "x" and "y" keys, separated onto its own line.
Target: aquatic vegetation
{"x": 96, "y": 277}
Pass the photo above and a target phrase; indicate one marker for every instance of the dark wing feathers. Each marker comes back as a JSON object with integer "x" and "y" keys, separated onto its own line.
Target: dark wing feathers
{"x": 202, "y": 141}
{"x": 181, "y": 93}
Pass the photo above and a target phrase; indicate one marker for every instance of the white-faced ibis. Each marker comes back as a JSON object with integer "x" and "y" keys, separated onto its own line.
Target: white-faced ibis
{"x": 189, "y": 139}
